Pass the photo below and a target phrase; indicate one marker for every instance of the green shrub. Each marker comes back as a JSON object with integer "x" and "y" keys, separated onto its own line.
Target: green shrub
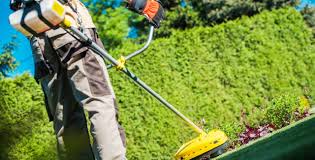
{"x": 285, "y": 109}
{"x": 280, "y": 112}
{"x": 25, "y": 131}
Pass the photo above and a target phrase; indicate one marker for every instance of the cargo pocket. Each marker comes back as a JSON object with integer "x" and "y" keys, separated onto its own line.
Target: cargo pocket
{"x": 59, "y": 37}
{"x": 50, "y": 115}
{"x": 42, "y": 67}
{"x": 70, "y": 50}
{"x": 62, "y": 43}
{"x": 95, "y": 75}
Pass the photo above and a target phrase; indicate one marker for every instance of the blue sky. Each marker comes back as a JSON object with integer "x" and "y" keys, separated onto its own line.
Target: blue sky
{"x": 23, "y": 52}
{"x": 305, "y": 2}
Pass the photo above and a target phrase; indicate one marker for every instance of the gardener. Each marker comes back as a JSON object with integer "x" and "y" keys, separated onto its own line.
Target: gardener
{"x": 75, "y": 79}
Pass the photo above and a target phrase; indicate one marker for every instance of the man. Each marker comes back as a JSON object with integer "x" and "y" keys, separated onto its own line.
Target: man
{"x": 74, "y": 79}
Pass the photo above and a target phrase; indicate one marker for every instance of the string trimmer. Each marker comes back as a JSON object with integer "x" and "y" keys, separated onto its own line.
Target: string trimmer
{"x": 205, "y": 146}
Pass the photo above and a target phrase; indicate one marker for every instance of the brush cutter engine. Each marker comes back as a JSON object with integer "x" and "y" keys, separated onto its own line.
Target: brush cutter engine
{"x": 33, "y": 18}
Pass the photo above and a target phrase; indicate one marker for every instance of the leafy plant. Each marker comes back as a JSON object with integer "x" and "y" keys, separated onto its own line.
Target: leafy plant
{"x": 286, "y": 109}
{"x": 280, "y": 112}
{"x": 7, "y": 61}
{"x": 254, "y": 133}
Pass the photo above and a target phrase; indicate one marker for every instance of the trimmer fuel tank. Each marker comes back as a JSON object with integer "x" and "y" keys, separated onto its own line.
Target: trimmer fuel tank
{"x": 38, "y": 18}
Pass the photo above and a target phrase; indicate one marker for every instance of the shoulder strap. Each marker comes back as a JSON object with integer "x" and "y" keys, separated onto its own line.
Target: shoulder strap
{"x": 41, "y": 17}
{"x": 36, "y": 7}
{"x": 23, "y": 24}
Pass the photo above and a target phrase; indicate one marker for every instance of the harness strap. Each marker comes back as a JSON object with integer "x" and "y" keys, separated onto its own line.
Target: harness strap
{"x": 24, "y": 25}
{"x": 41, "y": 17}
{"x": 37, "y": 8}
{"x": 75, "y": 10}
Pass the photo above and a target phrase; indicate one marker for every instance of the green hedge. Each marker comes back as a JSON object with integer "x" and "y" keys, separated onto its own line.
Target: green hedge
{"x": 24, "y": 128}
{"x": 226, "y": 75}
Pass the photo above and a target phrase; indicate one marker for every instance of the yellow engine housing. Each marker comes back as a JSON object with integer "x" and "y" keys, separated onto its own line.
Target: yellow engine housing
{"x": 202, "y": 144}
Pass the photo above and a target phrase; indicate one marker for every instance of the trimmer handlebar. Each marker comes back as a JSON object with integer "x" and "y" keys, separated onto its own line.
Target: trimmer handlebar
{"x": 145, "y": 47}
{"x": 150, "y": 37}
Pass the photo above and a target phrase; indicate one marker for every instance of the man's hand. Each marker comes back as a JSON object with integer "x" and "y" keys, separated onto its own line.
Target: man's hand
{"x": 151, "y": 9}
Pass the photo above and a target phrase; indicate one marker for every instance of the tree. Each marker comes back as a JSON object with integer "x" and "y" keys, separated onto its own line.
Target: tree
{"x": 179, "y": 18}
{"x": 218, "y": 11}
{"x": 7, "y": 61}
{"x": 170, "y": 4}
{"x": 115, "y": 23}
{"x": 113, "y": 26}
{"x": 309, "y": 17}
{"x": 184, "y": 14}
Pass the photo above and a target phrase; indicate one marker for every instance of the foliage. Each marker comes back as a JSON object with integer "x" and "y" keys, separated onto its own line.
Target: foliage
{"x": 309, "y": 16}
{"x": 293, "y": 142}
{"x": 114, "y": 22}
{"x": 98, "y": 7}
{"x": 218, "y": 11}
{"x": 214, "y": 75}
{"x": 179, "y": 18}
{"x": 169, "y": 4}
{"x": 7, "y": 61}
{"x": 281, "y": 111}
{"x": 254, "y": 133}
{"x": 24, "y": 129}
{"x": 210, "y": 12}
{"x": 113, "y": 26}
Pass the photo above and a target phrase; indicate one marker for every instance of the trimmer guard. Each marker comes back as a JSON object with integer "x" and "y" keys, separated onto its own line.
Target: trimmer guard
{"x": 201, "y": 145}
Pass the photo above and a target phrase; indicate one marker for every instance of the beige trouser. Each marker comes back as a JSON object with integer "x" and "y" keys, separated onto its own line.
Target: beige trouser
{"x": 79, "y": 82}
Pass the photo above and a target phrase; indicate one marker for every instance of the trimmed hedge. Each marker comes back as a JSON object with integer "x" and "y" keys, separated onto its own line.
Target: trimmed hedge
{"x": 24, "y": 128}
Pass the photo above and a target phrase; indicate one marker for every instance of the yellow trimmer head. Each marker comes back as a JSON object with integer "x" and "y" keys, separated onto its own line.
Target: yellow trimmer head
{"x": 203, "y": 147}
